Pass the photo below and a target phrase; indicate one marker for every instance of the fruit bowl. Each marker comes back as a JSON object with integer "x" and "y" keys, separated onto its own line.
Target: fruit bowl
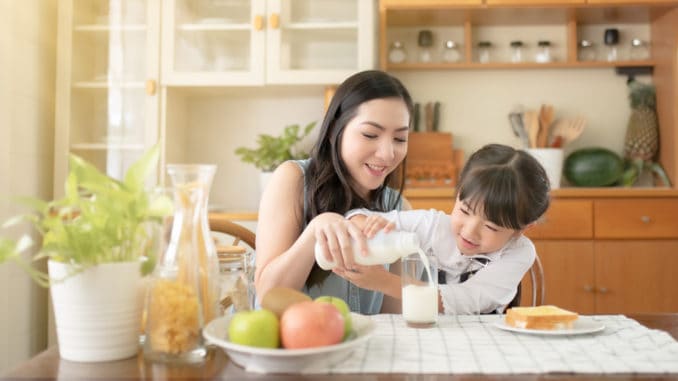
{"x": 265, "y": 360}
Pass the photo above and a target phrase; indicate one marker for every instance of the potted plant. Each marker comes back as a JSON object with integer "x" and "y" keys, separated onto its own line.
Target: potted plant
{"x": 274, "y": 150}
{"x": 98, "y": 240}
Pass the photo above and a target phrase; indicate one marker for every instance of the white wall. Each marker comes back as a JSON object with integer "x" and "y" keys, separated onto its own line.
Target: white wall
{"x": 207, "y": 128}
{"x": 27, "y": 61}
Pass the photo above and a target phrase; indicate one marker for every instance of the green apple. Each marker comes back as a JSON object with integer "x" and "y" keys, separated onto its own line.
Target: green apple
{"x": 258, "y": 328}
{"x": 341, "y": 305}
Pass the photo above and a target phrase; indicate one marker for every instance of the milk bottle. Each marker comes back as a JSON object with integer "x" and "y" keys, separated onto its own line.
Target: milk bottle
{"x": 383, "y": 248}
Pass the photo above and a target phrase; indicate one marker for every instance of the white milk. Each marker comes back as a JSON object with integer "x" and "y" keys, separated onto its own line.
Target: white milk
{"x": 420, "y": 302}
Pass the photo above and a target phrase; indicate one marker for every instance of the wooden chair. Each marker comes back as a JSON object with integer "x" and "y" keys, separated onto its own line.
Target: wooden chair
{"x": 237, "y": 231}
{"x": 533, "y": 282}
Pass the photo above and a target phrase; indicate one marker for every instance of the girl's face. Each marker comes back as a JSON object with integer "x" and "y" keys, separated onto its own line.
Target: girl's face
{"x": 375, "y": 142}
{"x": 476, "y": 235}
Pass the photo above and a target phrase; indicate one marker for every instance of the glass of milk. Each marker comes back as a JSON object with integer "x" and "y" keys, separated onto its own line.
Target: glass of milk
{"x": 420, "y": 290}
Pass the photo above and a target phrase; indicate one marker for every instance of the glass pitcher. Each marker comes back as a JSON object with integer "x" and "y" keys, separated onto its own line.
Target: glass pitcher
{"x": 183, "y": 295}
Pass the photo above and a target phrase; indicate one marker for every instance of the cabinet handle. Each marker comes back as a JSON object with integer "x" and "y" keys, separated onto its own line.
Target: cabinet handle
{"x": 274, "y": 21}
{"x": 588, "y": 288}
{"x": 602, "y": 290}
{"x": 645, "y": 219}
{"x": 258, "y": 22}
{"x": 150, "y": 87}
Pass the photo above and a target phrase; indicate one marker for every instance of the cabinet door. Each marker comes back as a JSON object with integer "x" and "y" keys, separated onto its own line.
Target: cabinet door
{"x": 106, "y": 102}
{"x": 568, "y": 275}
{"x": 207, "y": 43}
{"x": 636, "y": 276}
{"x": 318, "y": 41}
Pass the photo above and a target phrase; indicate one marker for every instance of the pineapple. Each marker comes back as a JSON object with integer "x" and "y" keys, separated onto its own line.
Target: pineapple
{"x": 641, "y": 143}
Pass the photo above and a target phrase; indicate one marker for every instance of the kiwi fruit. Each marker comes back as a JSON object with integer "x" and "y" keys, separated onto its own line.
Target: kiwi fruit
{"x": 278, "y": 299}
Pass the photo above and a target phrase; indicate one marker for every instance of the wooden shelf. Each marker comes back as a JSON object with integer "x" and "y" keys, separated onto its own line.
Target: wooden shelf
{"x": 509, "y": 65}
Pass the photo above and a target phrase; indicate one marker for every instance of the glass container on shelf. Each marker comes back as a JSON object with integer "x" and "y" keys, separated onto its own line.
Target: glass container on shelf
{"x": 425, "y": 42}
{"x": 586, "y": 52}
{"x": 484, "y": 51}
{"x": 611, "y": 39}
{"x": 639, "y": 50}
{"x": 396, "y": 53}
{"x": 450, "y": 52}
{"x": 543, "y": 52}
{"x": 516, "y": 51}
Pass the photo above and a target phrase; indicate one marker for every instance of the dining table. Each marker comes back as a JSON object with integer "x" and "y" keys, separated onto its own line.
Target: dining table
{"x": 47, "y": 365}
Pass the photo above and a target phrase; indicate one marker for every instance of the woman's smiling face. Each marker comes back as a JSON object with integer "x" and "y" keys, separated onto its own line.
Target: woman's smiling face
{"x": 475, "y": 234}
{"x": 374, "y": 142}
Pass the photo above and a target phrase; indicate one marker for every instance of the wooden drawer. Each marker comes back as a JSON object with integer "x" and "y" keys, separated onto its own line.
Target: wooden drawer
{"x": 636, "y": 218}
{"x": 565, "y": 219}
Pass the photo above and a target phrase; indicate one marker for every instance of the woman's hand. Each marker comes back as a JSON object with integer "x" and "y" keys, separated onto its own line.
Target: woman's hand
{"x": 374, "y": 277}
{"x": 336, "y": 236}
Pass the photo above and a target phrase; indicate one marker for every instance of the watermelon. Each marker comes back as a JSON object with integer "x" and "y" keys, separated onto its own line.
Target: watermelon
{"x": 593, "y": 167}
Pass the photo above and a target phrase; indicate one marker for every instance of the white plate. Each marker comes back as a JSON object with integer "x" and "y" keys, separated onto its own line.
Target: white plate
{"x": 583, "y": 325}
{"x": 265, "y": 360}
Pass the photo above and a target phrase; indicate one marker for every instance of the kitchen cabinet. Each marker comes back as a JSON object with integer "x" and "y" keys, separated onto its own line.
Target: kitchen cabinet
{"x": 107, "y": 73}
{"x": 603, "y": 250}
{"x": 561, "y": 22}
{"x": 256, "y": 42}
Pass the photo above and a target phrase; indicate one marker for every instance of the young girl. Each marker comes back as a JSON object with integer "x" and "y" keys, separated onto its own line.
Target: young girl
{"x": 480, "y": 247}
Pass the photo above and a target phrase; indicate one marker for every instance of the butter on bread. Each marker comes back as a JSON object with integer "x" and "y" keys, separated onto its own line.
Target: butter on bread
{"x": 541, "y": 317}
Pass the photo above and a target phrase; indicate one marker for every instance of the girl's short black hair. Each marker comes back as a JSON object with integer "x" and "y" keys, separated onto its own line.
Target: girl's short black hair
{"x": 510, "y": 185}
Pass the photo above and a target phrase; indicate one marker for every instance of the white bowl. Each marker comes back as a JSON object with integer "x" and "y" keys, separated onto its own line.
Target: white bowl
{"x": 264, "y": 360}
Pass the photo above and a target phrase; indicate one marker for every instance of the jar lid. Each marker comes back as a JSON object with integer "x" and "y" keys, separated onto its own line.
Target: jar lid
{"x": 425, "y": 38}
{"x": 516, "y": 43}
{"x": 585, "y": 43}
{"x": 637, "y": 42}
{"x": 484, "y": 44}
{"x": 544, "y": 43}
{"x": 449, "y": 44}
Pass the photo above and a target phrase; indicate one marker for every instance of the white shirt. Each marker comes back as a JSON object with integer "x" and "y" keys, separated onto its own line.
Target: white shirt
{"x": 488, "y": 290}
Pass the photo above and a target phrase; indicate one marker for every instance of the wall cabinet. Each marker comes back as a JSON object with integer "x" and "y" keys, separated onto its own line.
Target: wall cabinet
{"x": 603, "y": 250}
{"x": 107, "y": 72}
{"x": 564, "y": 23}
{"x": 253, "y": 42}
{"x": 108, "y": 107}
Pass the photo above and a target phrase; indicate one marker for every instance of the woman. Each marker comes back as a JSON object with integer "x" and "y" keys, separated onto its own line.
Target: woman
{"x": 363, "y": 139}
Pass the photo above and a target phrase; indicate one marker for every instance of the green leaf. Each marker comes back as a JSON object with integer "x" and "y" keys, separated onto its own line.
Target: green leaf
{"x": 274, "y": 150}
{"x": 140, "y": 170}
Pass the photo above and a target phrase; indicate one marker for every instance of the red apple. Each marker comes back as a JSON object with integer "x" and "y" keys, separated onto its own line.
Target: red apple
{"x": 310, "y": 324}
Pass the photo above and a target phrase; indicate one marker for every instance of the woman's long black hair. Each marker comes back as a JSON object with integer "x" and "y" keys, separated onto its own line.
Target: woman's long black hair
{"x": 328, "y": 181}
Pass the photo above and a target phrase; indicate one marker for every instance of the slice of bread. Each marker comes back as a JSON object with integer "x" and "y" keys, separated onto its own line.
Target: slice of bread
{"x": 541, "y": 317}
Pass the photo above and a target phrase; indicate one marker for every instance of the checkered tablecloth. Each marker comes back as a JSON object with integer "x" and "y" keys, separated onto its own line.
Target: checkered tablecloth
{"x": 472, "y": 344}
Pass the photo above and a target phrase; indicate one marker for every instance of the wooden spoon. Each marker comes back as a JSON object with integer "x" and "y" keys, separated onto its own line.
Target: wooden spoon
{"x": 545, "y": 120}
{"x": 531, "y": 122}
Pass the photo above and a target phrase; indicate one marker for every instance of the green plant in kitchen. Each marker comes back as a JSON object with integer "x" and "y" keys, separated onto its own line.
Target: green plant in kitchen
{"x": 274, "y": 150}
{"x": 99, "y": 220}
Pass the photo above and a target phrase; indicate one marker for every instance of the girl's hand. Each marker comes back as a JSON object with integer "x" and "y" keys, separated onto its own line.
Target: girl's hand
{"x": 336, "y": 237}
{"x": 374, "y": 223}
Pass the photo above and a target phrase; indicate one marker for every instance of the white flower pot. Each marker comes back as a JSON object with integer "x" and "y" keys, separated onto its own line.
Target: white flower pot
{"x": 264, "y": 178}
{"x": 97, "y": 311}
